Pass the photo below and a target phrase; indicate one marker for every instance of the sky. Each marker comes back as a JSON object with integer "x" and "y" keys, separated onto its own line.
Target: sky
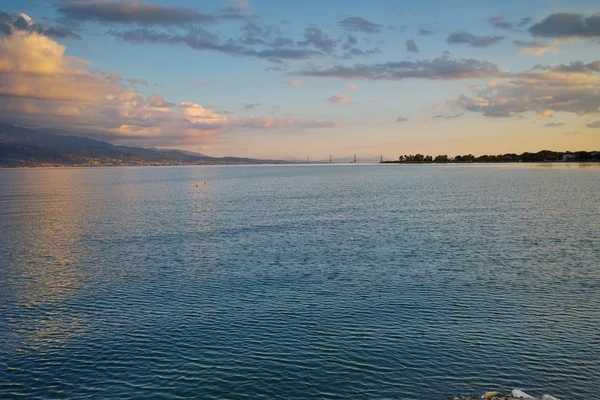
{"x": 297, "y": 79}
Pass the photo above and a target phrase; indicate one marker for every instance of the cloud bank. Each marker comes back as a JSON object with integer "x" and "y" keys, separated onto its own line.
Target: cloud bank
{"x": 41, "y": 87}
{"x": 441, "y": 68}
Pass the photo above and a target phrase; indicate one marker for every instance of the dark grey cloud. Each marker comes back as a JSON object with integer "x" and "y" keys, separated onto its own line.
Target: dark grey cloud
{"x": 351, "y": 49}
{"x": 452, "y": 116}
{"x": 401, "y": 119}
{"x": 201, "y": 40}
{"x": 360, "y": 52}
{"x": 134, "y": 12}
{"x": 359, "y": 24}
{"x": 411, "y": 46}
{"x": 594, "y": 125}
{"x": 472, "y": 40}
{"x": 425, "y": 32}
{"x": 574, "y": 66}
{"x": 136, "y": 81}
{"x": 277, "y": 64}
{"x": 10, "y": 23}
{"x": 250, "y": 106}
{"x": 351, "y": 41}
{"x": 56, "y": 32}
{"x": 257, "y": 33}
{"x": 553, "y": 124}
{"x": 500, "y": 23}
{"x": 284, "y": 53}
{"x": 441, "y": 68}
{"x": 319, "y": 39}
{"x": 523, "y": 22}
{"x": 563, "y": 25}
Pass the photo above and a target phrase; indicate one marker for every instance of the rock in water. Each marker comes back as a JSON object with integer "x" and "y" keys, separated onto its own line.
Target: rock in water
{"x": 489, "y": 395}
{"x": 520, "y": 394}
{"x": 548, "y": 397}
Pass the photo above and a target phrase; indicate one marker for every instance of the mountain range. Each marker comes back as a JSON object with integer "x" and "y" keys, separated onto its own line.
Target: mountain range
{"x": 22, "y": 147}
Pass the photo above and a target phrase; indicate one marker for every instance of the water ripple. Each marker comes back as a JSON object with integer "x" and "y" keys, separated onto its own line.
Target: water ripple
{"x": 286, "y": 282}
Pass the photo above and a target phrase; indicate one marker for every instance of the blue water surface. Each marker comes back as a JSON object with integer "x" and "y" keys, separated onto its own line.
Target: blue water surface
{"x": 291, "y": 282}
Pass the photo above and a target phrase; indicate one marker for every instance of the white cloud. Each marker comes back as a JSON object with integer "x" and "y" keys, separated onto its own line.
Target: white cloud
{"x": 41, "y": 87}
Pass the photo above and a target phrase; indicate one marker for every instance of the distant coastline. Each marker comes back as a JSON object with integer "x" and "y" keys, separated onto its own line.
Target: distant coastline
{"x": 27, "y": 148}
{"x": 540, "y": 156}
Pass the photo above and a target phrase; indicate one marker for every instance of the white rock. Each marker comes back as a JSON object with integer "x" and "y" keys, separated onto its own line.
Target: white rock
{"x": 548, "y": 397}
{"x": 521, "y": 394}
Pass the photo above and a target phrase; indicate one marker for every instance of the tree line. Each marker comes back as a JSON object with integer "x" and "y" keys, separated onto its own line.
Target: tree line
{"x": 540, "y": 156}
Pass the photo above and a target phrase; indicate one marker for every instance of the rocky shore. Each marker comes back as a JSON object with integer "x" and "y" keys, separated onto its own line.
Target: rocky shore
{"x": 515, "y": 395}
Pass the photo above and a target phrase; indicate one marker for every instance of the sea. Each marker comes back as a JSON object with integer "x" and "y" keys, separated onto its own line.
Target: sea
{"x": 300, "y": 281}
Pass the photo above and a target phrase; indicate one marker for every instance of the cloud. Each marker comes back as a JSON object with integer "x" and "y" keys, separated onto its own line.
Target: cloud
{"x": 463, "y": 37}
{"x": 339, "y": 98}
{"x": 594, "y": 125}
{"x": 319, "y": 39}
{"x": 282, "y": 123}
{"x": 553, "y": 124}
{"x": 442, "y": 116}
{"x": 41, "y": 87}
{"x": 499, "y": 22}
{"x": 23, "y": 23}
{"x": 441, "y": 68}
{"x": 574, "y": 66}
{"x": 256, "y": 39}
{"x": 545, "y": 89}
{"x": 411, "y": 46}
{"x": 240, "y": 3}
{"x": 360, "y": 52}
{"x": 544, "y": 114}
{"x": 295, "y": 83}
{"x": 136, "y": 81}
{"x": 524, "y": 22}
{"x": 352, "y": 86}
{"x": 573, "y": 133}
{"x": 250, "y": 106}
{"x": 158, "y": 101}
{"x": 375, "y": 115}
{"x": 235, "y": 13}
{"x": 425, "y": 32}
{"x": 421, "y": 118}
{"x": 401, "y": 119}
{"x": 276, "y": 64}
{"x": 358, "y": 24}
{"x": 131, "y": 12}
{"x": 535, "y": 48}
{"x": 568, "y": 25}
{"x": 203, "y": 41}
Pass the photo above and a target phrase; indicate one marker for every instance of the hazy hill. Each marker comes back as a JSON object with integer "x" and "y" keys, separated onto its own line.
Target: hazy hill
{"x": 25, "y": 147}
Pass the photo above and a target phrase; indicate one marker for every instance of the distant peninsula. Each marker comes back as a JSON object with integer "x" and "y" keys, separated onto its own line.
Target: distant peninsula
{"x": 21, "y": 147}
{"x": 540, "y": 156}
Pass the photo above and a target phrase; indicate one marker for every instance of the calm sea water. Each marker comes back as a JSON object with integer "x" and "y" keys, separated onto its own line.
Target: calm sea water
{"x": 362, "y": 282}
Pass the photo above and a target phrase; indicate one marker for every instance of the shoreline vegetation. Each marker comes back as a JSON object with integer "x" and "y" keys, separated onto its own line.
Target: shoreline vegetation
{"x": 540, "y": 156}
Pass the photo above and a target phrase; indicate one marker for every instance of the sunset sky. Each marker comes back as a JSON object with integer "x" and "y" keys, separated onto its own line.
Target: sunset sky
{"x": 283, "y": 78}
